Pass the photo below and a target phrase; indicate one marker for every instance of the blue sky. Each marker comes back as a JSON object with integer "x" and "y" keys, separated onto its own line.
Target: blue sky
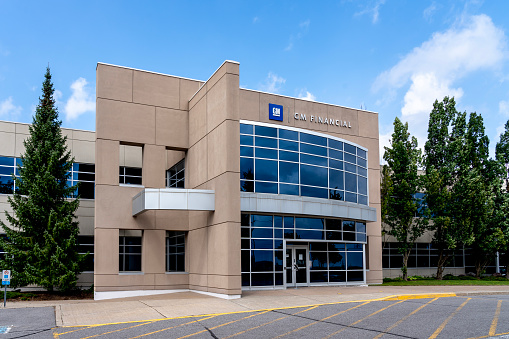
{"x": 391, "y": 57}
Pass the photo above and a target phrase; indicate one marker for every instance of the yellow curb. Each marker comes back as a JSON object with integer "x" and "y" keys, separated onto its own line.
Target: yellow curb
{"x": 420, "y": 296}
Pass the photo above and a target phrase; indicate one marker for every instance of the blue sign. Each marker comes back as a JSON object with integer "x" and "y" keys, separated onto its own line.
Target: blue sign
{"x": 276, "y": 112}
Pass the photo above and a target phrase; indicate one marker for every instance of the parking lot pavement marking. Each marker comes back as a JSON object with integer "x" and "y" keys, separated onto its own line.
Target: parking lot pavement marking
{"x": 366, "y": 317}
{"x": 172, "y": 327}
{"x": 441, "y": 327}
{"x": 268, "y": 323}
{"x": 420, "y": 296}
{"x": 493, "y": 328}
{"x": 316, "y": 322}
{"x": 403, "y": 319}
{"x": 56, "y": 335}
{"x": 121, "y": 329}
{"x": 228, "y": 323}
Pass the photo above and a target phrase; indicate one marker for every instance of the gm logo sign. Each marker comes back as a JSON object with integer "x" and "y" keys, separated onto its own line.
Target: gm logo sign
{"x": 275, "y": 112}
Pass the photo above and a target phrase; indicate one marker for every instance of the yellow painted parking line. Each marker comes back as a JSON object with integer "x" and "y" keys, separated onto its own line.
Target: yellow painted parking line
{"x": 493, "y": 327}
{"x": 403, "y": 319}
{"x": 56, "y": 335}
{"x": 420, "y": 296}
{"x": 169, "y": 328}
{"x": 119, "y": 330}
{"x": 441, "y": 327}
{"x": 316, "y": 322}
{"x": 360, "y": 320}
{"x": 489, "y": 336}
{"x": 268, "y": 323}
{"x": 228, "y": 323}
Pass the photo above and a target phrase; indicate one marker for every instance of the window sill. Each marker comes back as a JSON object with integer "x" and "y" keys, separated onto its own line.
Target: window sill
{"x": 131, "y": 273}
{"x": 183, "y": 272}
{"x": 130, "y": 185}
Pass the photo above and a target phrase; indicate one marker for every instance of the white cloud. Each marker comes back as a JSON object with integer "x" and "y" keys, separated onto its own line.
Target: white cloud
{"x": 305, "y": 95}
{"x": 8, "y": 109}
{"x": 429, "y": 11}
{"x": 255, "y": 19}
{"x": 473, "y": 43}
{"x": 303, "y": 26}
{"x": 273, "y": 83}
{"x": 430, "y": 70}
{"x": 81, "y": 100}
{"x": 503, "y": 107}
{"x": 373, "y": 10}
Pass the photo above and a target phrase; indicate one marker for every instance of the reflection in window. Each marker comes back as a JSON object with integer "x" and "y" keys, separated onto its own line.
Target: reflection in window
{"x": 280, "y": 161}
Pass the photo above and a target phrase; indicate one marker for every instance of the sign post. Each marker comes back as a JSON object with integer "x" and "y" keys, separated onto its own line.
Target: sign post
{"x": 6, "y": 280}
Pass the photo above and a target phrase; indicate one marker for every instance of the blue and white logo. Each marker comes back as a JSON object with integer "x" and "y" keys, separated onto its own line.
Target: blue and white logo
{"x": 276, "y": 112}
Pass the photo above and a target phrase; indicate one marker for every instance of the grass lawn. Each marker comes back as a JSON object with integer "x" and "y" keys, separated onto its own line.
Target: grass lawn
{"x": 447, "y": 283}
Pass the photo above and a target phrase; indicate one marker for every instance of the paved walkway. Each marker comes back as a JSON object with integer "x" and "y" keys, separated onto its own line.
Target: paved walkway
{"x": 88, "y": 312}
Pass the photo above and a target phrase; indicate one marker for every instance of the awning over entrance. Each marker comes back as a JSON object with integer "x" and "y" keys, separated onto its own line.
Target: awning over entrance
{"x": 173, "y": 199}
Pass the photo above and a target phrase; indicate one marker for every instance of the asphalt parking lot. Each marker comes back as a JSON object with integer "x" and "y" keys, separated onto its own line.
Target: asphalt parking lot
{"x": 481, "y": 316}
{"x": 36, "y": 322}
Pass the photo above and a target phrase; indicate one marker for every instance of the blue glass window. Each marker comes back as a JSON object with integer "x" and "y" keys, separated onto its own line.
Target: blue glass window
{"x": 286, "y": 134}
{"x": 6, "y": 161}
{"x": 246, "y": 140}
{"x": 350, "y": 182}
{"x": 361, "y": 162}
{"x": 246, "y": 129}
{"x": 266, "y": 131}
{"x": 309, "y": 223}
{"x": 350, "y": 148}
{"x": 335, "y": 144}
{"x": 336, "y": 180}
{"x": 336, "y": 164}
{"x": 313, "y": 139}
{"x": 266, "y": 170}
{"x": 311, "y": 149}
{"x": 305, "y": 234}
{"x": 362, "y": 199}
{"x": 363, "y": 185}
{"x": 246, "y": 151}
{"x": 312, "y": 160}
{"x": 261, "y": 233}
{"x": 288, "y": 172}
{"x": 289, "y": 156}
{"x": 289, "y": 145}
{"x": 335, "y": 154}
{"x": 262, "y": 261}
{"x": 288, "y": 189}
{"x": 266, "y": 153}
{"x": 266, "y": 187}
{"x": 265, "y": 142}
{"x": 246, "y": 168}
{"x": 314, "y": 192}
{"x": 313, "y": 176}
{"x": 261, "y": 220}
{"x": 361, "y": 153}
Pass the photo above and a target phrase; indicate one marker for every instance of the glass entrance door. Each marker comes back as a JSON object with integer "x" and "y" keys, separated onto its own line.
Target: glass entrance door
{"x": 296, "y": 265}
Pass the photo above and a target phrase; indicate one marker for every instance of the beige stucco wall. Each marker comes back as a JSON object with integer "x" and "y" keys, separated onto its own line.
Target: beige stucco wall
{"x": 363, "y": 131}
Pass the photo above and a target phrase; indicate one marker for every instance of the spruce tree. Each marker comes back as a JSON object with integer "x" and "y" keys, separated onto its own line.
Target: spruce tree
{"x": 41, "y": 238}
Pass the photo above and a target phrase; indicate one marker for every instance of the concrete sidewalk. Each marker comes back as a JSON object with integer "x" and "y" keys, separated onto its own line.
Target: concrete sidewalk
{"x": 181, "y": 304}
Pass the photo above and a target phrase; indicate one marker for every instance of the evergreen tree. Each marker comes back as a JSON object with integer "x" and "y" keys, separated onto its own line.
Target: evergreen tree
{"x": 41, "y": 240}
{"x": 403, "y": 212}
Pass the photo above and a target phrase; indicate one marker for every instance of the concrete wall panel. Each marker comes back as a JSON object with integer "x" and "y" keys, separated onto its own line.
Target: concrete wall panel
{"x": 114, "y": 83}
{"x": 156, "y": 89}
{"x": 172, "y": 128}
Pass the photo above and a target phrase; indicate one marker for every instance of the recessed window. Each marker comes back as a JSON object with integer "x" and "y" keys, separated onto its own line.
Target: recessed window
{"x": 129, "y": 259}
{"x": 86, "y": 244}
{"x": 175, "y": 251}
{"x": 131, "y": 164}
{"x": 175, "y": 175}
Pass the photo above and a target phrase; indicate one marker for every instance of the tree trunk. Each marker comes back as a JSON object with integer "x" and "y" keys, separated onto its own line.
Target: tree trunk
{"x": 404, "y": 269}
{"x": 442, "y": 259}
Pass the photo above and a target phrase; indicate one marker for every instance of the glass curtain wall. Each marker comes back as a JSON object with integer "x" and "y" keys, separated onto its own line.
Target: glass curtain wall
{"x": 288, "y": 161}
{"x": 335, "y": 248}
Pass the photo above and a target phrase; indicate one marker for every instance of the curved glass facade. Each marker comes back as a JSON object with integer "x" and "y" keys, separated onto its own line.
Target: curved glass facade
{"x": 290, "y": 161}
